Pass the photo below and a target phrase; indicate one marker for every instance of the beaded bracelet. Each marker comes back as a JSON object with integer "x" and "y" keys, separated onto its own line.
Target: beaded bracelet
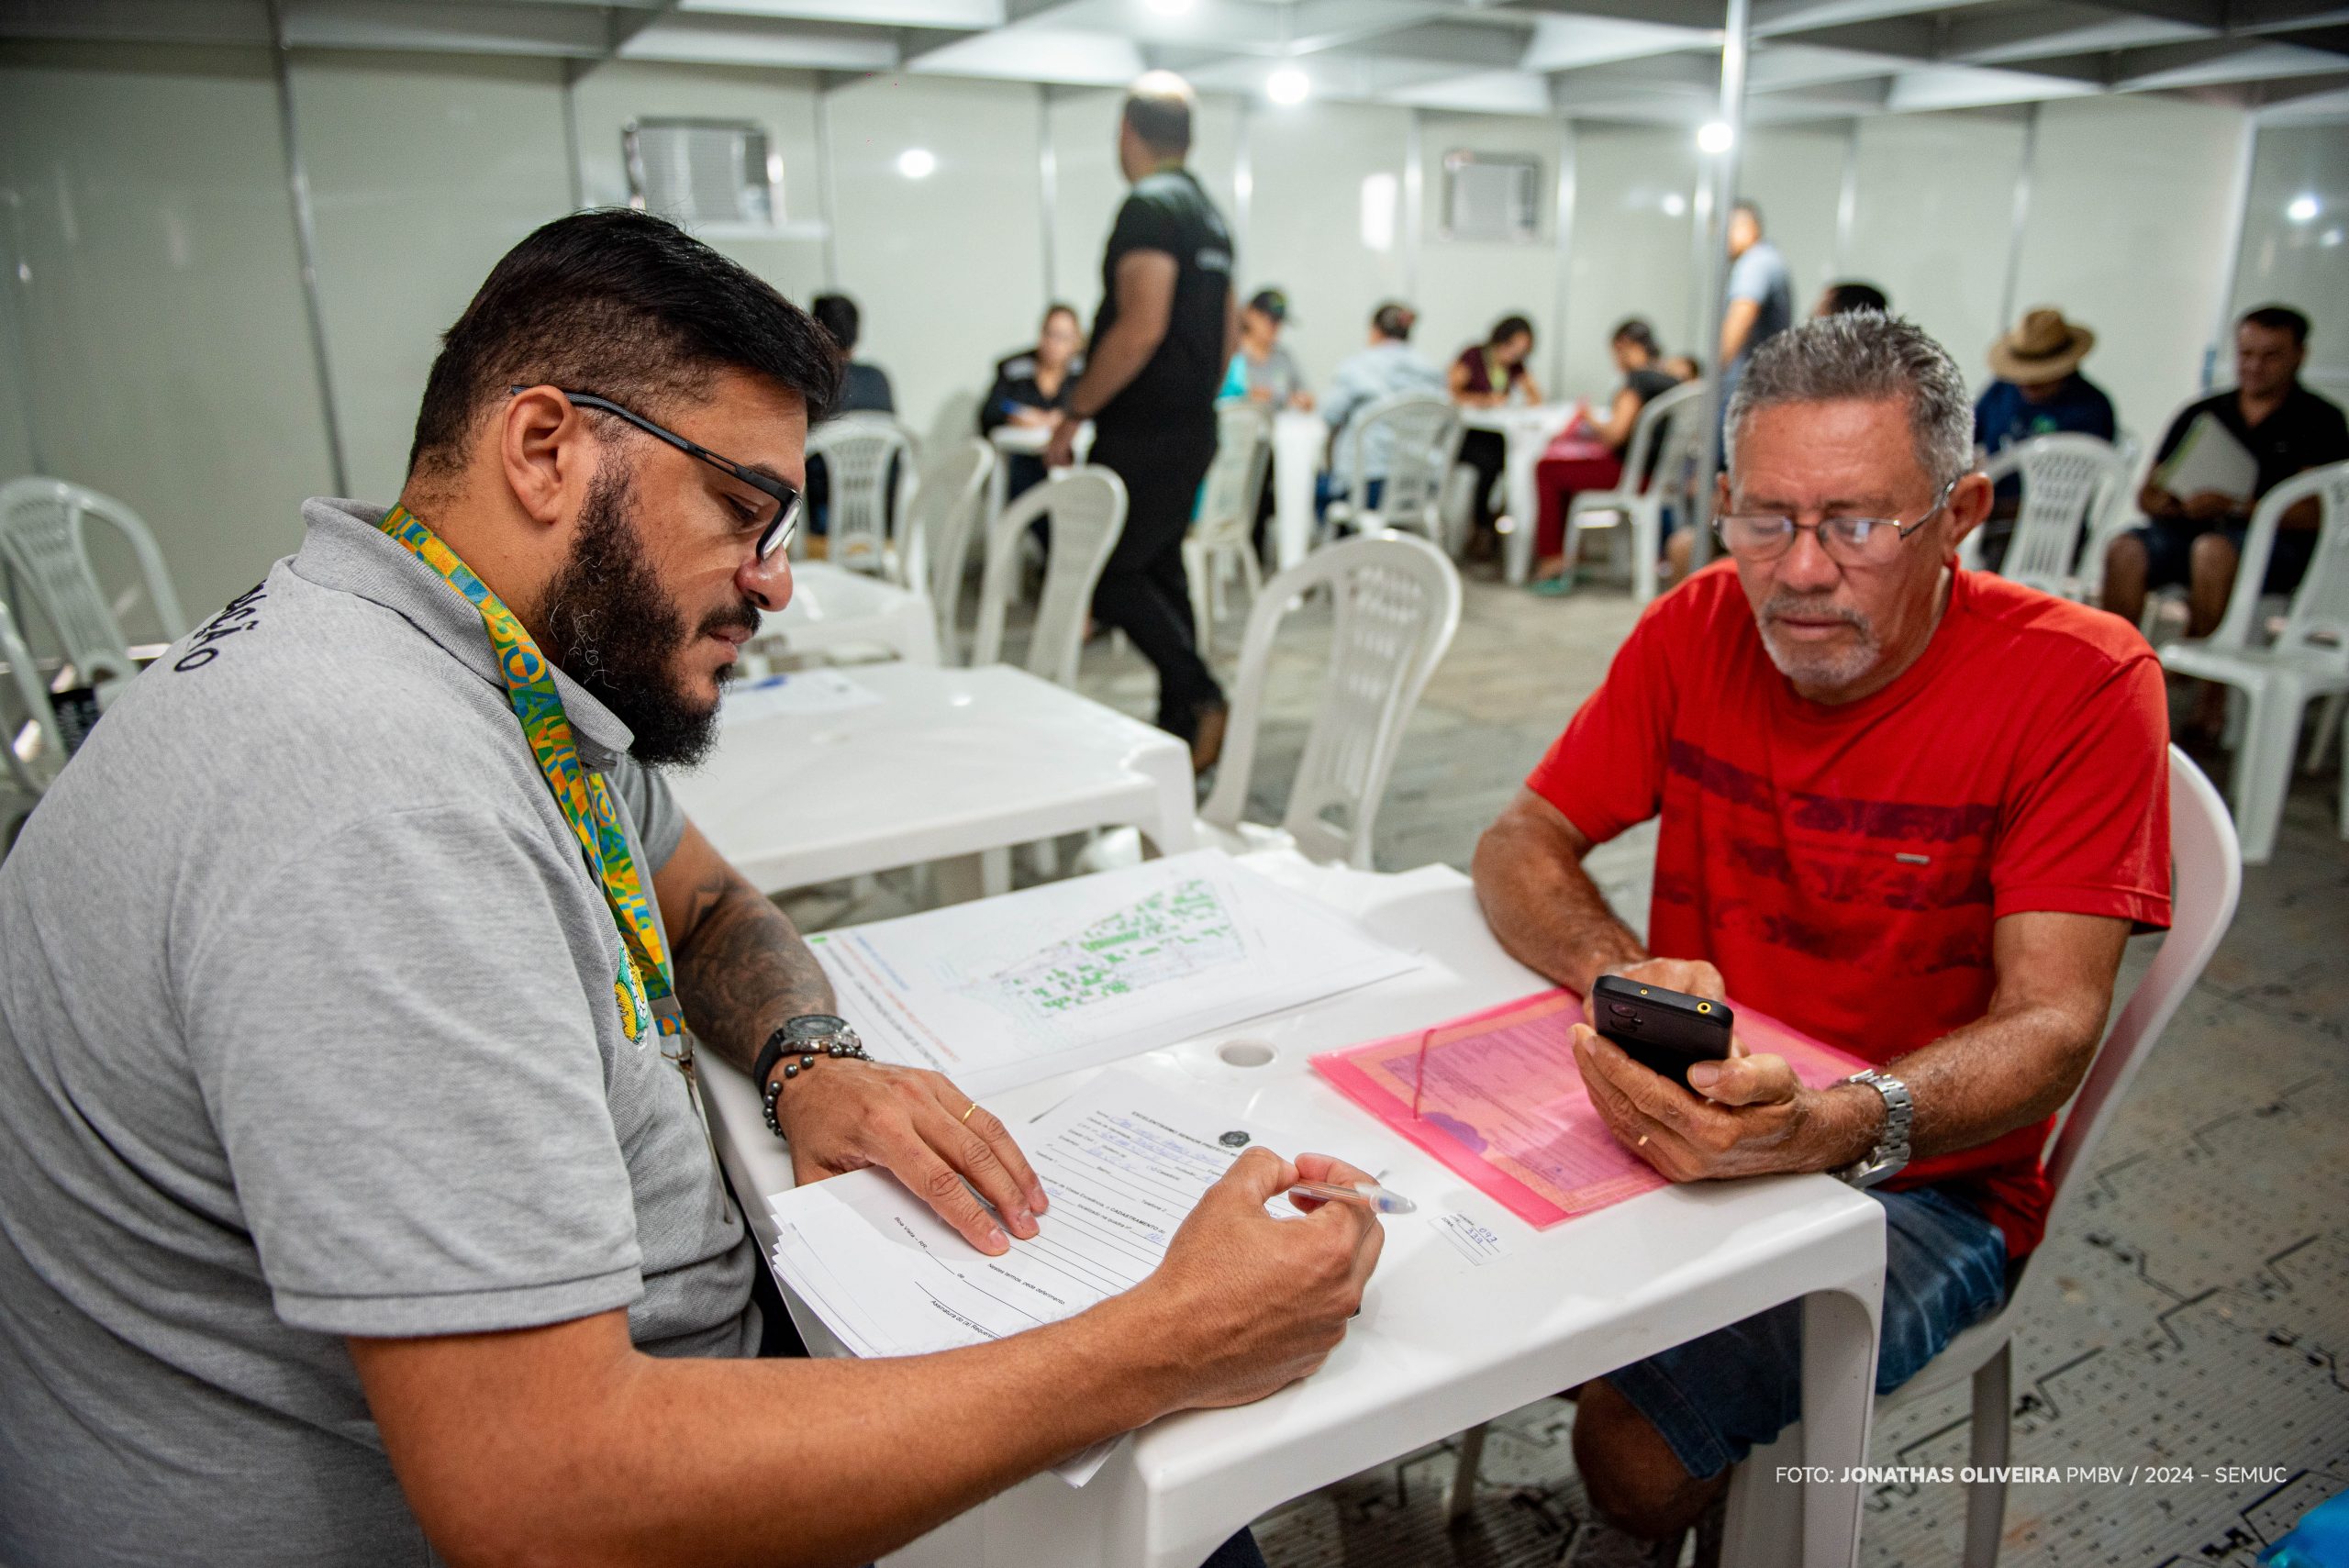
{"x": 847, "y": 1051}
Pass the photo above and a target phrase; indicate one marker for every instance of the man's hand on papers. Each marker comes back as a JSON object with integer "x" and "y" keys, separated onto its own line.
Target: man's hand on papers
{"x": 2209, "y": 506}
{"x": 1750, "y": 1116}
{"x": 1252, "y": 1303}
{"x": 846, "y": 1116}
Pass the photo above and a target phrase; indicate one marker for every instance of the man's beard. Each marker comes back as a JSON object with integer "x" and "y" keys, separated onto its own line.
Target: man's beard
{"x": 1827, "y": 669}
{"x": 612, "y": 627}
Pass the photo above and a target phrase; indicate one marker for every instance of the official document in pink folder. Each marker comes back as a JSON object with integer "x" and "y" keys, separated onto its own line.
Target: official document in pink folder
{"x": 1497, "y": 1096}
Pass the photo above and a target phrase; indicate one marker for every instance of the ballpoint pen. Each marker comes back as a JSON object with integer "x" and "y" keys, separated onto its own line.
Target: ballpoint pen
{"x": 1371, "y": 1193}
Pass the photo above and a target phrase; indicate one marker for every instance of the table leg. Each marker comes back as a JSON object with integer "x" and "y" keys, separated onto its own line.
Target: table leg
{"x": 1295, "y": 456}
{"x": 1839, "y": 1339}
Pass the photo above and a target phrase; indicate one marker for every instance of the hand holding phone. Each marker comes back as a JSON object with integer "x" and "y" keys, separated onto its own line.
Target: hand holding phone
{"x": 1664, "y": 1031}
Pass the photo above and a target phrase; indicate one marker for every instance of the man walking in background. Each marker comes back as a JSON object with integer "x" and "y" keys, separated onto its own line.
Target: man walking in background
{"x": 1165, "y": 333}
{"x": 1761, "y": 295}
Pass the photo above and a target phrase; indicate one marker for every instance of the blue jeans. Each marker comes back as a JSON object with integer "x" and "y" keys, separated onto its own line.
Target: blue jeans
{"x": 1717, "y": 1398}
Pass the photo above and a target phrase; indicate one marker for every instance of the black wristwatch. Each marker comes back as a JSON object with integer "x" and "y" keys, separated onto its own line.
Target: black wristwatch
{"x": 805, "y": 1038}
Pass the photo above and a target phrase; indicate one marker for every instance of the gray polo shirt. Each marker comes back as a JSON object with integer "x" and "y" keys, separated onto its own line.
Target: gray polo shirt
{"x": 308, "y": 1030}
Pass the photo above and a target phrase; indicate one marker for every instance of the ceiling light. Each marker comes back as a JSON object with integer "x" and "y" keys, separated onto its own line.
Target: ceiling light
{"x": 1714, "y": 137}
{"x": 1170, "y": 7}
{"x": 2302, "y": 210}
{"x": 917, "y": 163}
{"x": 1288, "y": 86}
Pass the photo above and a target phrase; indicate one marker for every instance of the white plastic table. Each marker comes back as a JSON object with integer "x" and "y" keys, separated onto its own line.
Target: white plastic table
{"x": 948, "y": 764}
{"x": 1441, "y": 1344}
{"x": 1023, "y": 440}
{"x": 1299, "y": 440}
{"x": 1526, "y": 432}
{"x": 832, "y": 607}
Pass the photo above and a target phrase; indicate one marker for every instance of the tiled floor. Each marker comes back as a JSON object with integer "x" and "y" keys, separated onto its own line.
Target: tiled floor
{"x": 2203, "y": 1314}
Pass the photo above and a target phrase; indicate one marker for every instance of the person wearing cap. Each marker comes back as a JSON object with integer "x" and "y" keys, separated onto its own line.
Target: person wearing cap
{"x": 1263, "y": 370}
{"x": 1385, "y": 368}
{"x": 2039, "y": 391}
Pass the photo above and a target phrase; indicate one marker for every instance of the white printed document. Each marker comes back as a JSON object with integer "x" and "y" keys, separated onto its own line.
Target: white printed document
{"x": 802, "y": 692}
{"x": 1123, "y": 1161}
{"x": 1006, "y": 991}
{"x": 2209, "y": 457}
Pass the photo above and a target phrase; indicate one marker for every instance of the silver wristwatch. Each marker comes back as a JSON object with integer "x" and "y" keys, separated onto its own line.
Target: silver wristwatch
{"x": 1891, "y": 1152}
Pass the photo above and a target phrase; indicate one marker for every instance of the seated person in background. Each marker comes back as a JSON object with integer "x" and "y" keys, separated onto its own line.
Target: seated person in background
{"x": 1839, "y": 299}
{"x": 1031, "y": 390}
{"x": 1854, "y": 842}
{"x": 1384, "y": 369}
{"x": 2039, "y": 391}
{"x": 1489, "y": 375}
{"x": 361, "y": 1208}
{"x": 2197, "y": 540}
{"x": 864, "y": 389}
{"x": 1587, "y": 454}
{"x": 1263, "y": 370}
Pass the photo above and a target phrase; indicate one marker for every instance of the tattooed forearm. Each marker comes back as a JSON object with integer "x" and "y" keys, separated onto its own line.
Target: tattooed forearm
{"x": 743, "y": 970}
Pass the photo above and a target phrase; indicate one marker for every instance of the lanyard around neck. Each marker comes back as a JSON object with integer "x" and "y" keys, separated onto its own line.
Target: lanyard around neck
{"x": 643, "y": 988}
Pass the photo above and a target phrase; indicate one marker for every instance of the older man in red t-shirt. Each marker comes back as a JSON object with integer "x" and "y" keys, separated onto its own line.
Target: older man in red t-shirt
{"x": 1912, "y": 810}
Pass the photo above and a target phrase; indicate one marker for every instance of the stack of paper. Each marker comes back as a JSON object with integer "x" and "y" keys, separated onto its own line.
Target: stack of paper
{"x": 1007, "y": 991}
{"x": 2209, "y": 458}
{"x": 1123, "y": 1161}
{"x": 803, "y": 693}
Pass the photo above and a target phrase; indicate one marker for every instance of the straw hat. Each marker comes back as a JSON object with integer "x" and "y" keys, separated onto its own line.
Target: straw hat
{"x": 2045, "y": 348}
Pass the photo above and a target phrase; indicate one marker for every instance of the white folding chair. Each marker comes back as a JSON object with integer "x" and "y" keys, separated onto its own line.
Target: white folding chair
{"x": 2307, "y": 658}
{"x": 1223, "y": 533}
{"x": 1087, "y": 511}
{"x": 1397, "y": 601}
{"x": 44, "y": 541}
{"x": 1766, "y": 1518}
{"x": 1416, "y": 435}
{"x": 860, "y": 453}
{"x": 1675, "y": 443}
{"x": 945, "y": 505}
{"x": 2072, "y": 485}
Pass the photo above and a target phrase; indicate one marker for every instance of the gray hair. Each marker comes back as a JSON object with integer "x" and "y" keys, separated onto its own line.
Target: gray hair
{"x": 1866, "y": 356}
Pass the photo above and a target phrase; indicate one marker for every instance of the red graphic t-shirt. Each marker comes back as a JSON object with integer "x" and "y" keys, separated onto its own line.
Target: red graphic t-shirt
{"x": 1843, "y": 865}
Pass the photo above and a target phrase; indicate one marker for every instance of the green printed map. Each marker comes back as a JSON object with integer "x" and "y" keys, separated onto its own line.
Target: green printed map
{"x": 1174, "y": 934}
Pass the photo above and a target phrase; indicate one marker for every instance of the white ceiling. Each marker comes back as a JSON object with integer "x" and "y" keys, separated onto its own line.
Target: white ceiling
{"x": 1655, "y": 60}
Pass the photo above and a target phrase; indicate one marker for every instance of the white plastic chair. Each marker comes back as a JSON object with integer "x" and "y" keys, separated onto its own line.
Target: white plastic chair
{"x": 1765, "y": 1517}
{"x": 43, "y": 539}
{"x": 1420, "y": 434}
{"x": 2309, "y": 658}
{"x": 1223, "y": 532}
{"x": 1677, "y": 441}
{"x": 1087, "y": 508}
{"x": 35, "y": 749}
{"x": 1397, "y": 600}
{"x": 861, "y": 451}
{"x": 945, "y": 506}
{"x": 2068, "y": 481}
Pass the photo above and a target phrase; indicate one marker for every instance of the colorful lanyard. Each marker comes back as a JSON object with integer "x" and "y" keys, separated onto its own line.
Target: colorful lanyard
{"x": 642, "y": 986}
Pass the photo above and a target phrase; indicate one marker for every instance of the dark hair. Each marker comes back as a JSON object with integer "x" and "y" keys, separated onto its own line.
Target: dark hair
{"x": 1158, "y": 105}
{"x": 1635, "y": 330}
{"x": 1394, "y": 319}
{"x": 837, "y": 315}
{"x": 1845, "y": 297}
{"x": 1747, "y": 206}
{"x": 2279, "y": 319}
{"x": 1060, "y": 307}
{"x": 618, "y": 302}
{"x": 1508, "y": 327}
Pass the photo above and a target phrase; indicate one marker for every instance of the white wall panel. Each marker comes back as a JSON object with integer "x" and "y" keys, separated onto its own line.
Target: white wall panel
{"x": 1466, "y": 285}
{"x": 1795, "y": 176}
{"x": 170, "y": 359}
{"x": 1632, "y": 250}
{"x": 606, "y": 100}
{"x": 1309, "y": 163}
{"x": 2299, "y": 262}
{"x": 949, "y": 268}
{"x": 424, "y": 170}
{"x": 2132, "y": 200}
{"x": 1932, "y": 220}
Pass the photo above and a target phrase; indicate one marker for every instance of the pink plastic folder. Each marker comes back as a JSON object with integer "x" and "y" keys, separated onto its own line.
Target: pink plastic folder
{"x": 1497, "y": 1096}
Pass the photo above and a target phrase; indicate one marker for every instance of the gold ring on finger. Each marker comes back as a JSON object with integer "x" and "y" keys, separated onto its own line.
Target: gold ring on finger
{"x": 966, "y": 1115}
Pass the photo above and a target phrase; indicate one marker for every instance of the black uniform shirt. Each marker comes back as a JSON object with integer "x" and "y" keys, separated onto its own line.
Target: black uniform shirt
{"x": 2302, "y": 431}
{"x": 1168, "y": 211}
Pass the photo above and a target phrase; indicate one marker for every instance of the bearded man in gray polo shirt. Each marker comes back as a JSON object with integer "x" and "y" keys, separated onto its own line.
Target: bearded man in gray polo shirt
{"x": 360, "y": 1209}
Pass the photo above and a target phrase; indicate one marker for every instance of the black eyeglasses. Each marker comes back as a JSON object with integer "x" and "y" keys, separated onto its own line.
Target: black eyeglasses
{"x": 1848, "y": 542}
{"x": 778, "y": 532}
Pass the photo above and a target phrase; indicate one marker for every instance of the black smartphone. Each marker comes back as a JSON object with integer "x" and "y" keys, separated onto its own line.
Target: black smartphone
{"x": 1664, "y": 1031}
